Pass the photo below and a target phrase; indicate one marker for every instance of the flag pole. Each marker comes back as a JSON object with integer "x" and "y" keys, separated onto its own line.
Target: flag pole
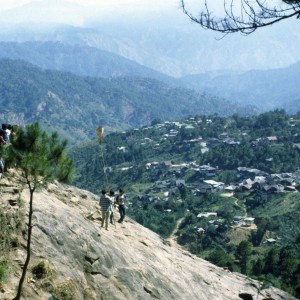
{"x": 100, "y": 133}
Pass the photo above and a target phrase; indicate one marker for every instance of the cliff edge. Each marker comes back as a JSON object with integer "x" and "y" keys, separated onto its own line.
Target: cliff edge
{"x": 79, "y": 260}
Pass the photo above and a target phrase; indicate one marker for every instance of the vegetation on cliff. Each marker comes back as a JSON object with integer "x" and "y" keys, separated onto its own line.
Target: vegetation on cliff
{"x": 233, "y": 167}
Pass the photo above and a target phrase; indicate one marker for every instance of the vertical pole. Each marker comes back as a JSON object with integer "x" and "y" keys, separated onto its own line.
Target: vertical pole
{"x": 104, "y": 167}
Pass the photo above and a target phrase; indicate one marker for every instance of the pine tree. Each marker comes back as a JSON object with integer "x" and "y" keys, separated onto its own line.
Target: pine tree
{"x": 243, "y": 253}
{"x": 40, "y": 159}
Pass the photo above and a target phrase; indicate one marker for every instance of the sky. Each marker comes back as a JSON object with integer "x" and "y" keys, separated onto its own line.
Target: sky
{"x": 9, "y": 4}
{"x": 148, "y": 23}
{"x": 4, "y": 4}
{"x": 84, "y": 9}
{"x": 81, "y": 10}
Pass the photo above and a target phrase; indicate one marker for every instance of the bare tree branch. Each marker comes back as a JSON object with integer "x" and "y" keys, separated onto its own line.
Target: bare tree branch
{"x": 244, "y": 16}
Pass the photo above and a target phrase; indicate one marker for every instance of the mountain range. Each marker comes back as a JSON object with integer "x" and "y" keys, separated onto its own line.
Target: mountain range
{"x": 268, "y": 89}
{"x": 162, "y": 39}
{"x": 77, "y": 59}
{"x": 263, "y": 89}
{"x": 75, "y": 105}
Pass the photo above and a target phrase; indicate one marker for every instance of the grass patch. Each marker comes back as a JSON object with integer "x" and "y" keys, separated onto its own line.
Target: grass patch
{"x": 4, "y": 272}
{"x": 66, "y": 290}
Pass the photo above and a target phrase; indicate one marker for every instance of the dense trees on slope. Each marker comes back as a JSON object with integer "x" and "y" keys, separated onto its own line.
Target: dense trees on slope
{"x": 268, "y": 142}
{"x": 253, "y": 149}
{"x": 74, "y": 106}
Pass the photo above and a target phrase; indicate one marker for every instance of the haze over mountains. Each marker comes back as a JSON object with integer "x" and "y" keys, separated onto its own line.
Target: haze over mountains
{"x": 156, "y": 42}
{"x": 159, "y": 37}
{"x": 80, "y": 60}
{"x": 265, "y": 89}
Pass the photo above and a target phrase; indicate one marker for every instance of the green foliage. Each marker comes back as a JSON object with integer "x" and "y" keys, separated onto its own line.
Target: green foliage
{"x": 280, "y": 215}
{"x": 258, "y": 266}
{"x": 226, "y": 176}
{"x": 220, "y": 258}
{"x": 4, "y": 272}
{"x": 74, "y": 106}
{"x": 66, "y": 290}
{"x": 158, "y": 216}
{"x": 243, "y": 254}
{"x": 279, "y": 267}
{"x": 288, "y": 262}
{"x": 254, "y": 147}
{"x": 271, "y": 261}
{"x": 39, "y": 156}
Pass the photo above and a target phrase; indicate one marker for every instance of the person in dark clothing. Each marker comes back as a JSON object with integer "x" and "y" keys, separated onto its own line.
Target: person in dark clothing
{"x": 2, "y": 140}
{"x": 105, "y": 208}
{"x": 121, "y": 201}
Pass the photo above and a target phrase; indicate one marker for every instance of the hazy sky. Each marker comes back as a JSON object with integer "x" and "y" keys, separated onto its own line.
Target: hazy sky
{"x": 61, "y": 11}
{"x": 4, "y": 4}
{"x": 79, "y": 14}
{"x": 8, "y": 4}
{"x": 159, "y": 22}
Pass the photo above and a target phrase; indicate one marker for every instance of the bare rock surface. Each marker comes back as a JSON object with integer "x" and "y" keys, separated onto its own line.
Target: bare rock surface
{"x": 126, "y": 262}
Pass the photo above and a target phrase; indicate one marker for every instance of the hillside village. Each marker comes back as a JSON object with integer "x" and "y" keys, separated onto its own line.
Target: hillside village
{"x": 171, "y": 174}
{"x": 215, "y": 184}
{"x": 192, "y": 182}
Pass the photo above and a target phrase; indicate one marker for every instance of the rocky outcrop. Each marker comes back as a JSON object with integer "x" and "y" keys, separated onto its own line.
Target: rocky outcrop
{"x": 79, "y": 260}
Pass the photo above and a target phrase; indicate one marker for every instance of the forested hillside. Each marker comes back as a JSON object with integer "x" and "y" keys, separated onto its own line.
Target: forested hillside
{"x": 267, "y": 90}
{"x": 75, "y": 106}
{"x": 230, "y": 185}
{"x": 80, "y": 60}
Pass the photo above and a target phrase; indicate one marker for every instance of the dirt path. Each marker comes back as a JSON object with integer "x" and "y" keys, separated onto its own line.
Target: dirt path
{"x": 171, "y": 240}
{"x": 242, "y": 207}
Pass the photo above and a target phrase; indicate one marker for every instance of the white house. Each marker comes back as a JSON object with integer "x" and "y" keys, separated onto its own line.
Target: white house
{"x": 207, "y": 214}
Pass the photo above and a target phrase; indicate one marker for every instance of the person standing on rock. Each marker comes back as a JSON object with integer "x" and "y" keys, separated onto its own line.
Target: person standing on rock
{"x": 104, "y": 203}
{"x": 112, "y": 206}
{"x": 121, "y": 200}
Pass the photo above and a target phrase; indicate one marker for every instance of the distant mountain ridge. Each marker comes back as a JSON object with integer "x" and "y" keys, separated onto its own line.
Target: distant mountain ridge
{"x": 80, "y": 60}
{"x": 267, "y": 90}
{"x": 75, "y": 106}
{"x": 170, "y": 45}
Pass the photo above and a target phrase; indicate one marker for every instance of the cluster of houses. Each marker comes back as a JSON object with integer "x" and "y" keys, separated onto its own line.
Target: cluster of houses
{"x": 248, "y": 179}
{"x": 170, "y": 130}
{"x": 237, "y": 221}
{"x": 261, "y": 184}
{"x": 193, "y": 123}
